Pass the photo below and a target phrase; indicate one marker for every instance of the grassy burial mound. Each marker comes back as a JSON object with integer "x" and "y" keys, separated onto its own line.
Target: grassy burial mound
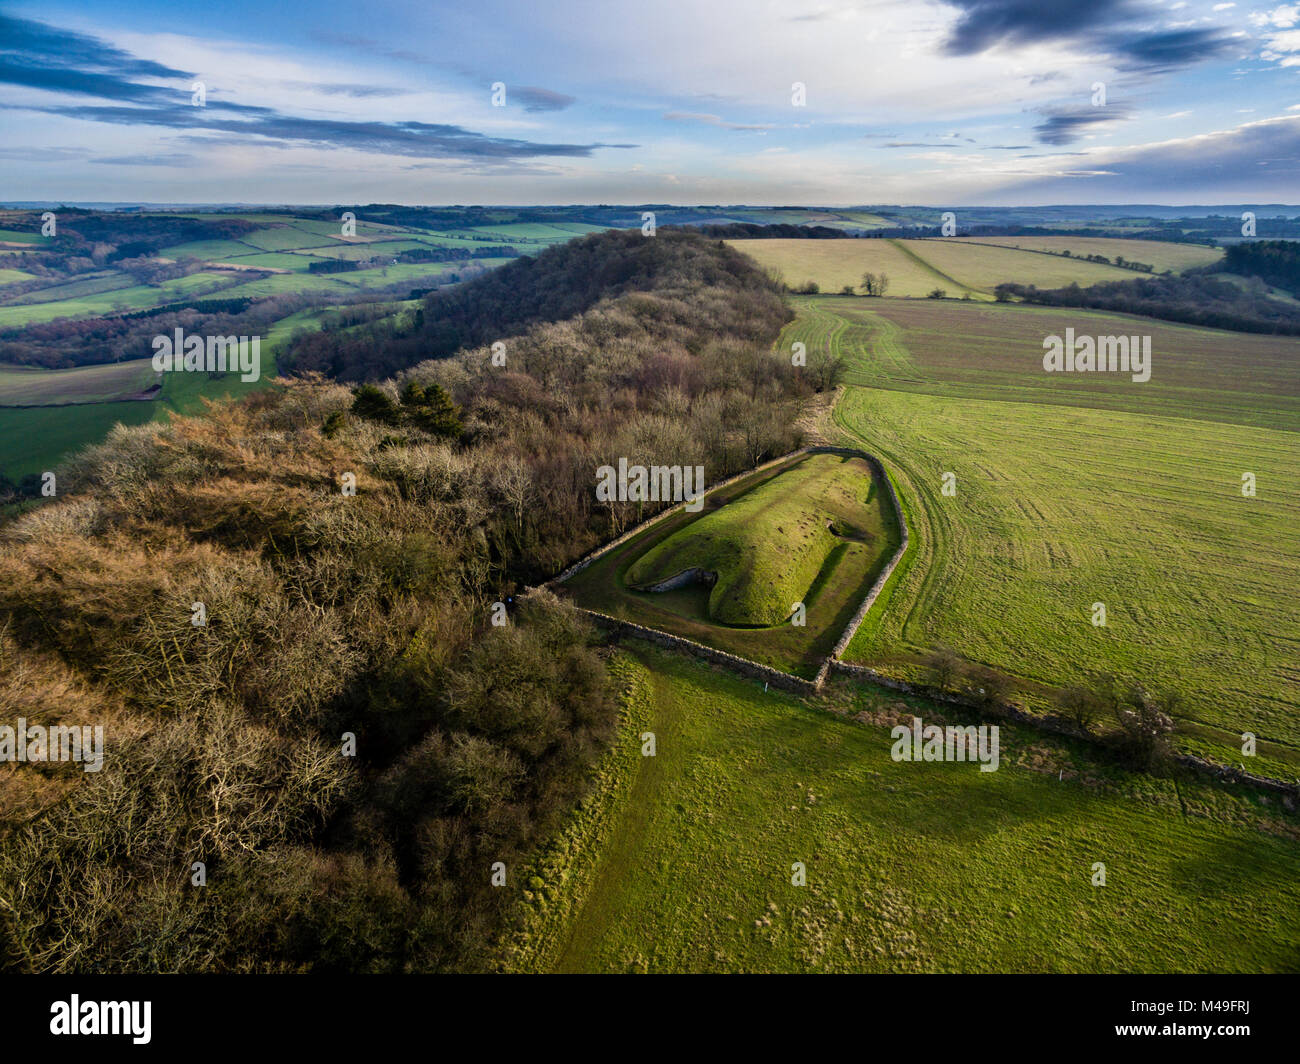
{"x": 767, "y": 538}
{"x": 765, "y": 551}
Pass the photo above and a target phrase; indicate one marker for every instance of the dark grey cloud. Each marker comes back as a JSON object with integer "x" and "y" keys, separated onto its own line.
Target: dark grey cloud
{"x": 39, "y": 56}
{"x": 1156, "y": 52}
{"x": 1118, "y": 28}
{"x": 1066, "y": 125}
{"x": 537, "y": 99}
{"x": 986, "y": 23}
{"x": 415, "y": 139}
{"x": 25, "y": 39}
{"x": 1251, "y": 164}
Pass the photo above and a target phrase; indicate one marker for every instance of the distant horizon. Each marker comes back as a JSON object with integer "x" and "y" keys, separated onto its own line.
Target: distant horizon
{"x": 109, "y": 204}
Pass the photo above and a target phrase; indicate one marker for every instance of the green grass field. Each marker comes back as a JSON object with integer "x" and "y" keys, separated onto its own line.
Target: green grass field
{"x": 981, "y": 268}
{"x": 16, "y": 236}
{"x": 1067, "y": 494}
{"x": 996, "y": 352}
{"x": 785, "y": 563}
{"x": 682, "y": 862}
{"x": 36, "y": 439}
{"x": 768, "y": 547}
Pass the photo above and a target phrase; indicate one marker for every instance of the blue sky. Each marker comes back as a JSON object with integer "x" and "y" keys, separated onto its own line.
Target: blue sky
{"x": 945, "y": 102}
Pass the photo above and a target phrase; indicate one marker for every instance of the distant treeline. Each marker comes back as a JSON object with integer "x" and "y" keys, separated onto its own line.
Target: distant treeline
{"x": 786, "y": 231}
{"x": 451, "y": 254}
{"x": 1196, "y": 299}
{"x": 754, "y": 231}
{"x": 236, "y": 305}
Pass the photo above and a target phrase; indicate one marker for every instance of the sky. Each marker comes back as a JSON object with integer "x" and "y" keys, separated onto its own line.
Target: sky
{"x": 937, "y": 102}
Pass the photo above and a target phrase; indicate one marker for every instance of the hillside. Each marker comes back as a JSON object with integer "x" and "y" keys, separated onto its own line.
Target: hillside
{"x": 560, "y": 283}
{"x": 282, "y": 613}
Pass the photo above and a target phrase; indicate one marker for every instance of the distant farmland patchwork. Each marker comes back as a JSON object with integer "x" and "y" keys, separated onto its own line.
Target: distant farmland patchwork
{"x": 959, "y": 268}
{"x": 46, "y": 415}
{"x": 278, "y": 257}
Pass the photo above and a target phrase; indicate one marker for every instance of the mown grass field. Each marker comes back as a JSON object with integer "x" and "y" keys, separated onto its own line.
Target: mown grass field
{"x": 1058, "y": 508}
{"x": 831, "y": 587}
{"x": 26, "y": 386}
{"x": 996, "y": 352}
{"x": 682, "y": 861}
{"x": 981, "y": 267}
{"x": 1068, "y": 494}
{"x": 768, "y": 547}
{"x": 917, "y": 267}
{"x": 36, "y": 438}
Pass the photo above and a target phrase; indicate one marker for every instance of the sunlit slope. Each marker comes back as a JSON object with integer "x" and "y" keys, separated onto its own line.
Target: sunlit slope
{"x": 768, "y": 547}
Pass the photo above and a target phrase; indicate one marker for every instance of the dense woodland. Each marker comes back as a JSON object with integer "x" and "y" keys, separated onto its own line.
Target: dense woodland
{"x": 1196, "y": 299}
{"x": 1275, "y": 262}
{"x": 329, "y": 614}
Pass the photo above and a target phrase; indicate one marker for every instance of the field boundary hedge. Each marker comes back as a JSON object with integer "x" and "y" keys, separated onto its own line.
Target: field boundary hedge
{"x": 1010, "y": 711}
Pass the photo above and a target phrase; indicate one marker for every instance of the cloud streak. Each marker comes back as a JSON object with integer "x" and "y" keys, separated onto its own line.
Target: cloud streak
{"x": 45, "y": 58}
